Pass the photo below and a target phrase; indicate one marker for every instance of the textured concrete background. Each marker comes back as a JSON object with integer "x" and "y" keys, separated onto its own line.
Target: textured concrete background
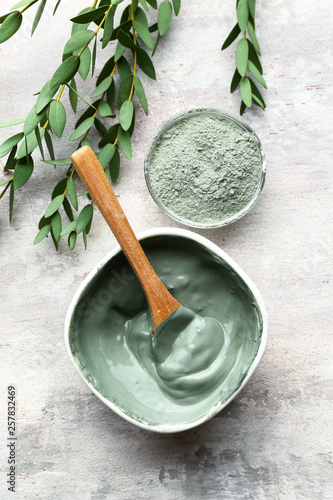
{"x": 275, "y": 440}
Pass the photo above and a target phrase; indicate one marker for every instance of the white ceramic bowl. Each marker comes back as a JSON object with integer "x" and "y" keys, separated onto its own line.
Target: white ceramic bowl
{"x": 225, "y": 260}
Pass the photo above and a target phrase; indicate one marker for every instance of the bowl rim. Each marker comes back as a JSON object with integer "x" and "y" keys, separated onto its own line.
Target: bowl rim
{"x": 196, "y": 111}
{"x": 169, "y": 231}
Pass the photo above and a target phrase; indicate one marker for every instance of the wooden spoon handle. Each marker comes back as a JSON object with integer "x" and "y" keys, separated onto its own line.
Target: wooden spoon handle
{"x": 161, "y": 302}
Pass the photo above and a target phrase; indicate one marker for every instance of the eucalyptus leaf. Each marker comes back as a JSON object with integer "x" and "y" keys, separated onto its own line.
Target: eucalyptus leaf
{"x": 253, "y": 37}
{"x": 21, "y": 4}
{"x": 44, "y": 222}
{"x": 125, "y": 142}
{"x": 164, "y": 17}
{"x": 90, "y": 15}
{"x": 69, "y": 228}
{"x": 242, "y": 108}
{"x": 12, "y": 122}
{"x": 176, "y": 6}
{"x": 23, "y": 170}
{"x": 252, "y": 7}
{"x": 45, "y": 96}
{"x": 11, "y": 160}
{"x": 56, "y": 226}
{"x": 114, "y": 166}
{"x": 105, "y": 110}
{"x": 246, "y": 92}
{"x": 93, "y": 57}
{"x": 72, "y": 94}
{"x": 235, "y": 81}
{"x": 100, "y": 127}
{"x": 72, "y": 240}
{"x": 57, "y": 117}
{"x": 256, "y": 74}
{"x": 29, "y": 144}
{"x": 10, "y": 143}
{"x": 116, "y": 2}
{"x": 65, "y": 72}
{"x": 253, "y": 57}
{"x": 71, "y": 189}
{"x": 2, "y": 183}
{"x": 2, "y": 18}
{"x": 82, "y": 128}
{"x": 126, "y": 114}
{"x": 157, "y": 41}
{"x": 78, "y": 41}
{"x": 38, "y": 15}
{"x": 110, "y": 136}
{"x": 42, "y": 234}
{"x": 144, "y": 34}
{"x": 231, "y": 37}
{"x": 108, "y": 28}
{"x": 125, "y": 40}
{"x": 10, "y": 25}
{"x": 106, "y": 70}
{"x": 124, "y": 69}
{"x": 140, "y": 93}
{"x": 74, "y": 90}
{"x": 11, "y": 201}
{"x": 258, "y": 101}
{"x": 242, "y": 56}
{"x": 257, "y": 95}
{"x": 60, "y": 161}
{"x": 141, "y": 17}
{"x": 32, "y": 121}
{"x": 85, "y": 142}
{"x": 39, "y": 141}
{"x": 120, "y": 50}
{"x": 56, "y": 6}
{"x": 54, "y": 205}
{"x": 125, "y": 26}
{"x": 102, "y": 87}
{"x": 144, "y": 4}
{"x": 88, "y": 112}
{"x": 242, "y": 14}
{"x": 49, "y": 144}
{"x": 68, "y": 209}
{"x": 111, "y": 95}
{"x": 145, "y": 63}
{"x": 124, "y": 90}
{"x": 60, "y": 188}
{"x": 153, "y": 3}
{"x": 85, "y": 61}
{"x": 84, "y": 236}
{"x": 84, "y": 218}
{"x": 106, "y": 155}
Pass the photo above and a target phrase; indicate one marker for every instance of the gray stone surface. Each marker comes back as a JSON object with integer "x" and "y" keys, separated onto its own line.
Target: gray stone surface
{"x": 274, "y": 441}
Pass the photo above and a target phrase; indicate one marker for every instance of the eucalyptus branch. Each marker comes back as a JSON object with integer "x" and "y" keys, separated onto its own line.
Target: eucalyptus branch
{"x": 113, "y": 118}
{"x": 247, "y": 60}
{"x": 11, "y": 22}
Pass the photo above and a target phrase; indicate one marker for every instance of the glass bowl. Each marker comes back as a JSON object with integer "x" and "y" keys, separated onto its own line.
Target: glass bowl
{"x": 164, "y": 131}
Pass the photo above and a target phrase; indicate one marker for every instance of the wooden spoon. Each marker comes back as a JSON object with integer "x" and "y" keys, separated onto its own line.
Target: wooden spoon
{"x": 161, "y": 302}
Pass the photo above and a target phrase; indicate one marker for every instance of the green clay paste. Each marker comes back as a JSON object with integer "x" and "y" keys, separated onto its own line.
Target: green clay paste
{"x": 187, "y": 355}
{"x": 173, "y": 378}
{"x": 205, "y": 169}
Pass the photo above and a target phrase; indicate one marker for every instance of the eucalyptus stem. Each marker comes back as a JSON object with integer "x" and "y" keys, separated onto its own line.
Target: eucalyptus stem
{"x": 113, "y": 119}
{"x": 7, "y": 186}
{"x": 28, "y": 6}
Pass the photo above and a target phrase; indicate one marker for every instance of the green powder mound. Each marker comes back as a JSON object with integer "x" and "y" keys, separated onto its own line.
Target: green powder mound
{"x": 205, "y": 169}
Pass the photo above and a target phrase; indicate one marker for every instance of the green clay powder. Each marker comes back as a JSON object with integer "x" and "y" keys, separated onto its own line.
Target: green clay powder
{"x": 205, "y": 169}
